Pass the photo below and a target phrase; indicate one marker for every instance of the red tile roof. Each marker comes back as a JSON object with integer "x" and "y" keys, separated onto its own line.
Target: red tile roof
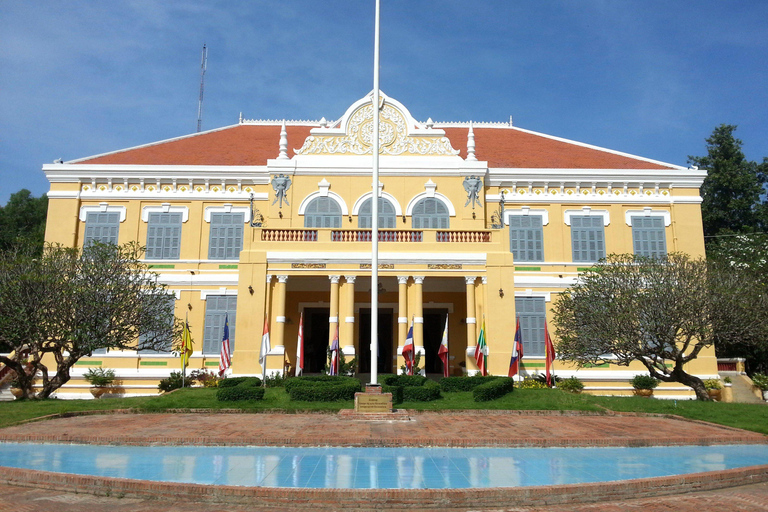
{"x": 255, "y": 144}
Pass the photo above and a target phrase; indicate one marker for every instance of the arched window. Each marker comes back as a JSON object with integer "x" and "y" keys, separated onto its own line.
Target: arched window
{"x": 322, "y": 212}
{"x": 430, "y": 213}
{"x": 387, "y": 218}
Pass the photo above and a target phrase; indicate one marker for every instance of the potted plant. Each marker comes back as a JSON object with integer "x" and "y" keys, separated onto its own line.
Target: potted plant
{"x": 760, "y": 381}
{"x": 571, "y": 384}
{"x": 16, "y": 390}
{"x": 644, "y": 385}
{"x": 714, "y": 388}
{"x": 727, "y": 382}
{"x": 99, "y": 379}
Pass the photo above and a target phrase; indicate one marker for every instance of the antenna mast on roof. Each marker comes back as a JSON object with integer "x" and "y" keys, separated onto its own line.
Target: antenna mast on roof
{"x": 203, "y": 65}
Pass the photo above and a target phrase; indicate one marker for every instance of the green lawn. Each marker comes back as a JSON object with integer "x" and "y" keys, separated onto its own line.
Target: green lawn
{"x": 746, "y": 416}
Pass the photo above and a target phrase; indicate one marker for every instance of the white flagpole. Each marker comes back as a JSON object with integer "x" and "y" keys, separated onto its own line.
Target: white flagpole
{"x": 375, "y": 209}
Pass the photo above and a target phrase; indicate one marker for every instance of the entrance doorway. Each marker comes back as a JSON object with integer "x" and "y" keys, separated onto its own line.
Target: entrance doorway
{"x": 315, "y": 339}
{"x": 434, "y": 324}
{"x": 385, "y": 341}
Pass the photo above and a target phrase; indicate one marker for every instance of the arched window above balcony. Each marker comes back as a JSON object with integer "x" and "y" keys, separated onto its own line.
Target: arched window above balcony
{"x": 322, "y": 212}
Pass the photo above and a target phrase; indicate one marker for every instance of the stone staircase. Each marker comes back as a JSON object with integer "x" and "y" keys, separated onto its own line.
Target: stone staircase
{"x": 742, "y": 388}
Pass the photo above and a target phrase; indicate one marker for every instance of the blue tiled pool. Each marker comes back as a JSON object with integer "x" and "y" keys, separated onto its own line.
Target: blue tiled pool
{"x": 378, "y": 468}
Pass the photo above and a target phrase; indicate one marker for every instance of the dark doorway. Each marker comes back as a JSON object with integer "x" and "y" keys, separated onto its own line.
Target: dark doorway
{"x": 315, "y": 339}
{"x": 434, "y": 323}
{"x": 385, "y": 341}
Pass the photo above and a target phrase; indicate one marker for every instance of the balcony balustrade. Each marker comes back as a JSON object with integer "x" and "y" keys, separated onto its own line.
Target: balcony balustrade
{"x": 365, "y": 235}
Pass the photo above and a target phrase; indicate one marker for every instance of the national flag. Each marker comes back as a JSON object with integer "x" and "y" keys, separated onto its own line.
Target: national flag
{"x": 335, "y": 353}
{"x": 549, "y": 354}
{"x": 225, "y": 357}
{"x": 442, "y": 352}
{"x": 481, "y": 352}
{"x": 517, "y": 351}
{"x": 186, "y": 344}
{"x": 300, "y": 347}
{"x": 265, "y": 347}
{"x": 408, "y": 351}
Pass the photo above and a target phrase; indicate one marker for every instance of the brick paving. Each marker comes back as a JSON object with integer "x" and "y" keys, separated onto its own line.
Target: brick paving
{"x": 509, "y": 428}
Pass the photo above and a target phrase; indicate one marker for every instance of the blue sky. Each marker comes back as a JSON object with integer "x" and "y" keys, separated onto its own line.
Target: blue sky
{"x": 647, "y": 77}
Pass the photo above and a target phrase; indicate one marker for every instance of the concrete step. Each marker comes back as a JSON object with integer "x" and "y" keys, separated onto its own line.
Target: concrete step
{"x": 742, "y": 388}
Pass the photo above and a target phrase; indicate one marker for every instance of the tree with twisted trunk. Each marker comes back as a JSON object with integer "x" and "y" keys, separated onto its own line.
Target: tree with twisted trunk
{"x": 67, "y": 303}
{"x": 661, "y": 312}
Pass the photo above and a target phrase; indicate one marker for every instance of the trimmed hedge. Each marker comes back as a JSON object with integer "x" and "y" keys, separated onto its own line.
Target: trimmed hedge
{"x": 397, "y": 392}
{"x": 404, "y": 380}
{"x": 464, "y": 383}
{"x": 426, "y": 393}
{"x": 494, "y": 389}
{"x": 236, "y": 381}
{"x": 322, "y": 388}
{"x": 246, "y": 388}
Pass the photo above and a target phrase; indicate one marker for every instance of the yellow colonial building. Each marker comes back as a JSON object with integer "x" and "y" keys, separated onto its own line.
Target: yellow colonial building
{"x": 271, "y": 219}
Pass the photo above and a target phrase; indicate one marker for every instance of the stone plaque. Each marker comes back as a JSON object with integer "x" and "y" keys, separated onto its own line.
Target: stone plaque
{"x": 373, "y": 402}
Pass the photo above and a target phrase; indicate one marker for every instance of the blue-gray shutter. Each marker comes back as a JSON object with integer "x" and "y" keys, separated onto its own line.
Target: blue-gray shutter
{"x": 430, "y": 213}
{"x": 101, "y": 227}
{"x": 169, "y": 343}
{"x": 526, "y": 237}
{"x": 163, "y": 236}
{"x": 226, "y": 238}
{"x": 322, "y": 212}
{"x": 532, "y": 314}
{"x": 387, "y": 219}
{"x": 216, "y": 308}
{"x": 648, "y": 237}
{"x": 587, "y": 238}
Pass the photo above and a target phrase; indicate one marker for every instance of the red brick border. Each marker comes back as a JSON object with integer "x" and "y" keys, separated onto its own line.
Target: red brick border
{"x": 387, "y": 499}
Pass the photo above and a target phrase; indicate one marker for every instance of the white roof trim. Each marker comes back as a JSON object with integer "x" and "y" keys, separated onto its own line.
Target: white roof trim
{"x": 588, "y": 211}
{"x": 648, "y": 212}
{"x": 101, "y": 208}
{"x": 165, "y": 208}
{"x": 227, "y": 208}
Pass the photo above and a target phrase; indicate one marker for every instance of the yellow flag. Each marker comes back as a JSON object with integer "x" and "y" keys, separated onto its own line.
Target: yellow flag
{"x": 186, "y": 344}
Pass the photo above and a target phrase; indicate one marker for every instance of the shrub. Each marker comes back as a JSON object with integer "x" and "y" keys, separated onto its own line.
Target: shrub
{"x": 100, "y": 377}
{"x": 643, "y": 382}
{"x": 404, "y": 380}
{"x": 275, "y": 380}
{"x": 425, "y": 393}
{"x": 541, "y": 377}
{"x": 712, "y": 384}
{"x": 236, "y": 381}
{"x": 249, "y": 388}
{"x": 397, "y": 392}
{"x": 529, "y": 383}
{"x": 571, "y": 384}
{"x": 416, "y": 368}
{"x": 173, "y": 382}
{"x": 323, "y": 388}
{"x": 493, "y": 389}
{"x": 728, "y": 380}
{"x": 760, "y": 381}
{"x": 207, "y": 379}
{"x": 449, "y": 384}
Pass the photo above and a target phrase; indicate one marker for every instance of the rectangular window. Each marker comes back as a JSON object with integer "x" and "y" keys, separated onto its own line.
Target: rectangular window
{"x": 587, "y": 238}
{"x": 101, "y": 227}
{"x": 216, "y": 308}
{"x": 168, "y": 334}
{"x": 163, "y": 236}
{"x": 226, "y": 240}
{"x": 526, "y": 237}
{"x": 532, "y": 314}
{"x": 648, "y": 237}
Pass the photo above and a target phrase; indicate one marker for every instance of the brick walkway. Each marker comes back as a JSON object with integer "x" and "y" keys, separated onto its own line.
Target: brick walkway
{"x": 508, "y": 428}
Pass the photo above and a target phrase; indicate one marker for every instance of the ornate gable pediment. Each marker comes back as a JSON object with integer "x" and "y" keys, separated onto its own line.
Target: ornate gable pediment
{"x": 399, "y": 133}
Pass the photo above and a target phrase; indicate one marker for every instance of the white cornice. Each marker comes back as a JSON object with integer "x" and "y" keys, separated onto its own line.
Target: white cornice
{"x": 384, "y": 257}
{"x": 678, "y": 177}
{"x": 68, "y": 173}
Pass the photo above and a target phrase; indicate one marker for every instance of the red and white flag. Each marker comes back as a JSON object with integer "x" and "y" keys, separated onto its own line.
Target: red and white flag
{"x": 225, "y": 357}
{"x": 550, "y": 354}
{"x": 408, "y": 353}
{"x": 442, "y": 352}
{"x": 265, "y": 347}
{"x": 300, "y": 347}
{"x": 335, "y": 353}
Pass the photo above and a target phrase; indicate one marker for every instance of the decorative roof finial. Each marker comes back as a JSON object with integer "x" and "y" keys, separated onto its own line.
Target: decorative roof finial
{"x": 471, "y": 144}
{"x": 283, "y": 143}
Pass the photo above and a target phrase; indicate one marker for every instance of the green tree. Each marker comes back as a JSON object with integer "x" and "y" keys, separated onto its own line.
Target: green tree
{"x": 22, "y": 220}
{"x": 733, "y": 186}
{"x": 67, "y": 303}
{"x": 659, "y": 312}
